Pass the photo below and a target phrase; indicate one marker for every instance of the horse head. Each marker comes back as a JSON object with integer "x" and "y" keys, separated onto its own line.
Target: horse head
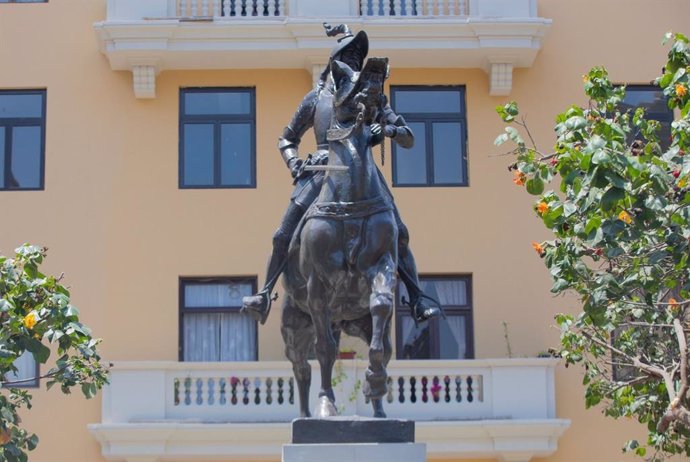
{"x": 359, "y": 96}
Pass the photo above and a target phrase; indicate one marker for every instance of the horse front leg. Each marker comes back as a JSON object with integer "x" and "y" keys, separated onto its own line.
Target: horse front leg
{"x": 326, "y": 346}
{"x": 381, "y": 308}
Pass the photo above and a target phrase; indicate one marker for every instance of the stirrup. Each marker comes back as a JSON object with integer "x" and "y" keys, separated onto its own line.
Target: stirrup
{"x": 430, "y": 312}
{"x": 259, "y": 312}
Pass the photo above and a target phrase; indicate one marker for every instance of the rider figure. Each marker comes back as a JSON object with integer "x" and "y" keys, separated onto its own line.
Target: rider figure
{"x": 315, "y": 112}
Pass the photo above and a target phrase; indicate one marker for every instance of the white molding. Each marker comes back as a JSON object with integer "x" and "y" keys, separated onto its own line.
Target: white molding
{"x": 144, "y": 80}
{"x": 501, "y": 79}
{"x": 507, "y": 440}
{"x": 292, "y": 42}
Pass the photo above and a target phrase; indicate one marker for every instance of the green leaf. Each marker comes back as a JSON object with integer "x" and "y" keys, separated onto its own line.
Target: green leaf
{"x": 611, "y": 198}
{"x": 40, "y": 351}
{"x": 535, "y": 186}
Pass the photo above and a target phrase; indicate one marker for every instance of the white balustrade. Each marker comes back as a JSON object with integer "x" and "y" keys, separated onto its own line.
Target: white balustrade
{"x": 230, "y": 8}
{"x": 266, "y": 391}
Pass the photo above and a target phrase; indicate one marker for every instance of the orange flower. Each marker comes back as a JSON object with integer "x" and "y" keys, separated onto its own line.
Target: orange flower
{"x": 625, "y": 217}
{"x": 681, "y": 90}
{"x": 542, "y": 208}
{"x": 673, "y": 304}
{"x": 538, "y": 248}
{"x": 519, "y": 178}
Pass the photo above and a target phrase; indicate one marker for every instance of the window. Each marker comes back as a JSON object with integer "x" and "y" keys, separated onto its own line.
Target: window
{"x": 652, "y": 99}
{"x": 22, "y": 139}
{"x": 27, "y": 372}
{"x": 436, "y": 116}
{"x": 211, "y": 326}
{"x": 449, "y": 338}
{"x": 217, "y": 138}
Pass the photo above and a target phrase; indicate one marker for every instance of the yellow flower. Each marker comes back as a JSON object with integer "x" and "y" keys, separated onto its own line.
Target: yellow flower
{"x": 30, "y": 320}
{"x": 681, "y": 90}
{"x": 585, "y": 78}
{"x": 682, "y": 182}
{"x": 538, "y": 248}
{"x": 542, "y": 208}
{"x": 625, "y": 217}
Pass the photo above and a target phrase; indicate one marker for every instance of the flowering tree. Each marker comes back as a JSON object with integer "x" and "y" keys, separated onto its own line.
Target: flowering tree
{"x": 621, "y": 223}
{"x": 35, "y": 311}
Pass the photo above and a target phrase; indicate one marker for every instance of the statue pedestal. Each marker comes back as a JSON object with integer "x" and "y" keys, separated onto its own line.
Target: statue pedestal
{"x": 353, "y": 439}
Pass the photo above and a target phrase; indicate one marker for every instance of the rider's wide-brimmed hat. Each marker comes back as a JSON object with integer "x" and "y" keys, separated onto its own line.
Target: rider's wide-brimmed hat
{"x": 361, "y": 41}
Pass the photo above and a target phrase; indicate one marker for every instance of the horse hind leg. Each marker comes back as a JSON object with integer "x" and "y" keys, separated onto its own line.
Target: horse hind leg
{"x": 298, "y": 334}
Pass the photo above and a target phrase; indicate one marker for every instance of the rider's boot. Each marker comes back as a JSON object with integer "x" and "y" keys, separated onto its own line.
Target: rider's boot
{"x": 421, "y": 310}
{"x": 258, "y": 306}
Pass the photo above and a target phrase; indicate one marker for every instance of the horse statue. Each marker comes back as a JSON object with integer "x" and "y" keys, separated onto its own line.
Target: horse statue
{"x": 342, "y": 260}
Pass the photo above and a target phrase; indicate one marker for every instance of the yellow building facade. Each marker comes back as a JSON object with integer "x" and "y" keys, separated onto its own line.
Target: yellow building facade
{"x": 136, "y": 220}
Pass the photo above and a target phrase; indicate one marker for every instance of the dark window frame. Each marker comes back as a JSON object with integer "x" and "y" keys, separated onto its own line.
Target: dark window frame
{"x": 666, "y": 117}
{"x": 218, "y": 120}
{"x": 10, "y": 122}
{"x": 183, "y": 309}
{"x": 428, "y": 118}
{"x": 466, "y": 310}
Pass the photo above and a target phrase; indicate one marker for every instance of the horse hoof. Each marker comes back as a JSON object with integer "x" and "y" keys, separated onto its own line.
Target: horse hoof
{"x": 325, "y": 408}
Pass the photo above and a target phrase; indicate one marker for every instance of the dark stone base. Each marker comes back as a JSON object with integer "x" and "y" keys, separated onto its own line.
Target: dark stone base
{"x": 351, "y": 429}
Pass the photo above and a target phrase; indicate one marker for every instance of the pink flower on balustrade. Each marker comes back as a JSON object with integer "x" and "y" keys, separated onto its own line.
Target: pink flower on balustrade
{"x": 234, "y": 381}
{"x": 436, "y": 390}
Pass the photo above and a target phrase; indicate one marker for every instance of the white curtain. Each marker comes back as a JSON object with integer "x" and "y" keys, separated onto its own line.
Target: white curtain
{"x": 225, "y": 336}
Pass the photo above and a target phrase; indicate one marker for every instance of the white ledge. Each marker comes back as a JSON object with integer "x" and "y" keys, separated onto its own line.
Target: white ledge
{"x": 293, "y": 42}
{"x": 505, "y": 440}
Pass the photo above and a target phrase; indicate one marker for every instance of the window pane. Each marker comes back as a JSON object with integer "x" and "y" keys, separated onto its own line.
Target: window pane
{"x": 198, "y": 154}
{"x": 410, "y": 164}
{"x": 452, "y": 338}
{"x": 653, "y": 100}
{"x": 2, "y": 157}
{"x": 201, "y": 337}
{"x": 197, "y": 103}
{"x": 416, "y": 340}
{"x": 14, "y": 106}
{"x": 448, "y": 155}
{"x": 446, "y": 291}
{"x": 26, "y": 369}
{"x": 26, "y": 158}
{"x": 427, "y": 101}
{"x": 237, "y": 337}
{"x": 235, "y": 153}
{"x": 216, "y": 295}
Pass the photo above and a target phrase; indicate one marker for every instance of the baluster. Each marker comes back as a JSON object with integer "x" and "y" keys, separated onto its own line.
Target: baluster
{"x": 210, "y": 388}
{"x": 291, "y": 388}
{"x": 234, "y": 381}
{"x": 265, "y": 10}
{"x": 255, "y": 9}
{"x": 470, "y": 390}
{"x": 243, "y": 9}
{"x": 187, "y": 391}
{"x": 199, "y": 392}
{"x": 446, "y": 393}
{"x": 458, "y": 389}
{"x": 401, "y": 390}
{"x": 387, "y": 6}
{"x": 216, "y": 8}
{"x": 183, "y": 7}
{"x": 245, "y": 390}
{"x": 407, "y": 5}
{"x": 225, "y": 11}
{"x": 479, "y": 388}
{"x": 452, "y": 8}
{"x": 223, "y": 397}
{"x": 280, "y": 390}
{"x": 397, "y": 8}
{"x": 463, "y": 8}
{"x": 413, "y": 390}
{"x": 425, "y": 397}
{"x": 204, "y": 7}
{"x": 389, "y": 388}
{"x": 430, "y": 7}
{"x": 280, "y": 8}
{"x": 269, "y": 398}
{"x": 176, "y": 391}
{"x": 257, "y": 391}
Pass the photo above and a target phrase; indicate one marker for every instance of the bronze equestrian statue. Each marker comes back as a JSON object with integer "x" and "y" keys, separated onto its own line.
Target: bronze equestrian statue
{"x": 315, "y": 112}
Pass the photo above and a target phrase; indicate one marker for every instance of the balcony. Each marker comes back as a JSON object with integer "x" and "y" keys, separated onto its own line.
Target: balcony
{"x": 502, "y": 409}
{"x": 148, "y": 37}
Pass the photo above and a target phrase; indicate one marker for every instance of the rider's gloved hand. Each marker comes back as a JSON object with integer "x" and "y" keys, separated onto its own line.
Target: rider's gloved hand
{"x": 295, "y": 165}
{"x": 390, "y": 131}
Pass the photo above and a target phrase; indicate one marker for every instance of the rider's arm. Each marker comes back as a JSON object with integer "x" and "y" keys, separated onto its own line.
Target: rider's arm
{"x": 396, "y": 128}
{"x": 302, "y": 120}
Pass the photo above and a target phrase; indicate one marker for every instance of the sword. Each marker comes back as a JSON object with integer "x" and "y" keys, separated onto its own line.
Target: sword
{"x": 326, "y": 168}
